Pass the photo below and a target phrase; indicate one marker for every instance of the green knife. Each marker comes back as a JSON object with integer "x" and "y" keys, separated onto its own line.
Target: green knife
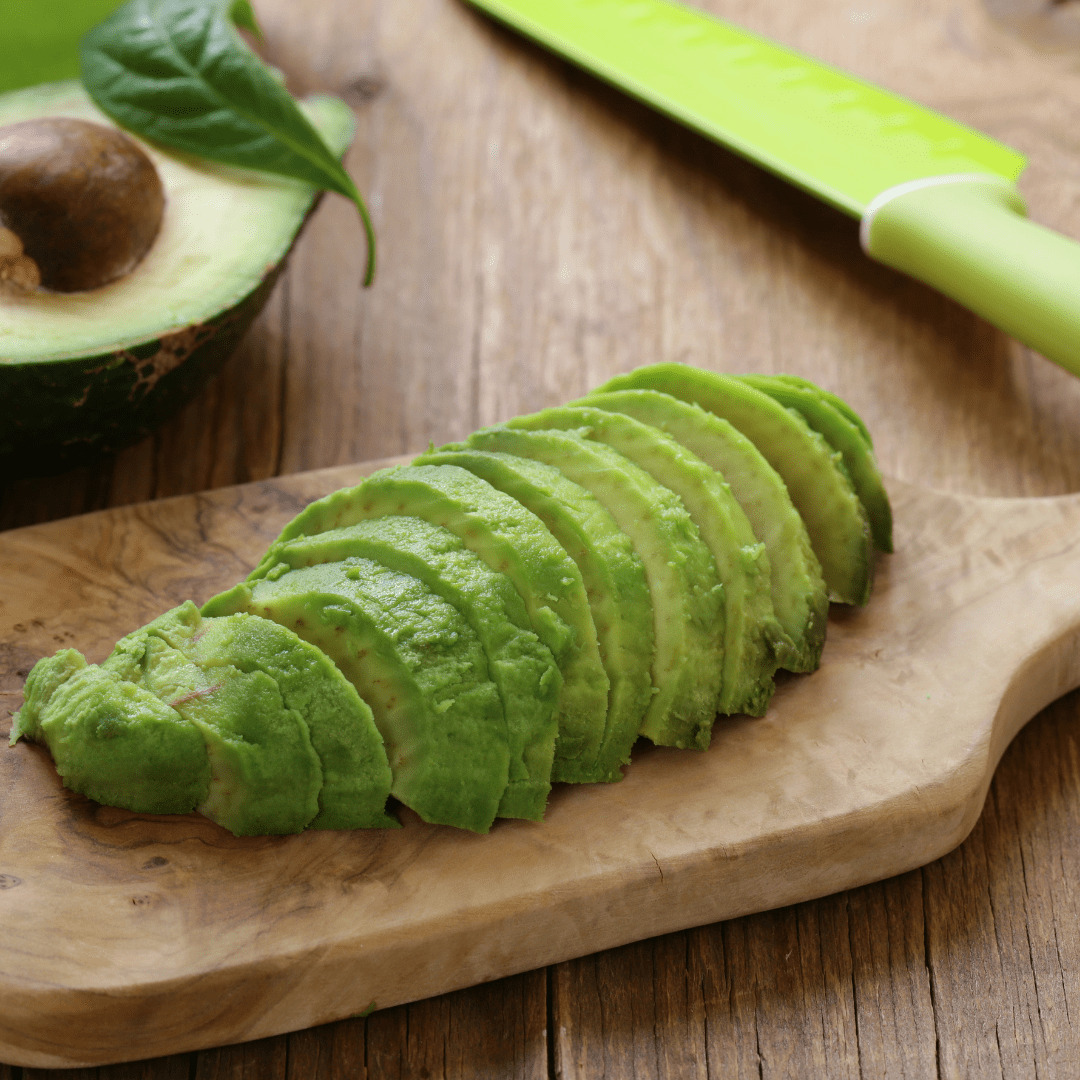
{"x": 937, "y": 200}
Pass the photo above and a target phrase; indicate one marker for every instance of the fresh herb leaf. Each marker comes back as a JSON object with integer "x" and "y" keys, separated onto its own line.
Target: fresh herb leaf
{"x": 177, "y": 72}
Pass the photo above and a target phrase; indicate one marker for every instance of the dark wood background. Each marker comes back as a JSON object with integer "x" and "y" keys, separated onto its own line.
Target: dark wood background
{"x": 539, "y": 233}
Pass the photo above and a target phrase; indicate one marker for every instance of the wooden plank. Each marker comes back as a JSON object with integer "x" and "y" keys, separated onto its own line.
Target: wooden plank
{"x": 875, "y": 763}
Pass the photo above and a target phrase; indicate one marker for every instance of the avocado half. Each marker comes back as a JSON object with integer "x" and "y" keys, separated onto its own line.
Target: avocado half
{"x": 85, "y": 374}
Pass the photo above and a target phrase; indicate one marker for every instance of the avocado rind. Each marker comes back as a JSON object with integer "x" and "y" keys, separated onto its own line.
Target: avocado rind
{"x": 812, "y": 471}
{"x": 521, "y": 666}
{"x": 751, "y": 631}
{"x": 112, "y": 740}
{"x": 510, "y": 540}
{"x": 842, "y": 434}
{"x": 798, "y": 593}
{"x": 416, "y": 661}
{"x": 614, "y": 581}
{"x": 356, "y": 775}
{"x": 687, "y": 598}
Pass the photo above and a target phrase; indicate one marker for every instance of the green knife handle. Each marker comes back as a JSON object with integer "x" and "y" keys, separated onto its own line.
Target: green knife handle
{"x": 969, "y": 237}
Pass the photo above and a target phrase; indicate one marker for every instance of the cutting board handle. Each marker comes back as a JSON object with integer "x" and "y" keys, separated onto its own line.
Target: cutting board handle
{"x": 970, "y": 238}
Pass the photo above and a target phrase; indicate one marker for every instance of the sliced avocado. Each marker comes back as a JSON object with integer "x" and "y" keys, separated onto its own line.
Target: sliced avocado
{"x": 742, "y": 565}
{"x": 95, "y": 371}
{"x": 511, "y": 540}
{"x": 614, "y": 580}
{"x": 843, "y": 435}
{"x": 265, "y": 774}
{"x": 687, "y": 599}
{"x": 112, "y": 740}
{"x": 521, "y": 666}
{"x": 812, "y": 471}
{"x": 797, "y": 587}
{"x": 836, "y": 402}
{"x": 416, "y": 661}
{"x": 355, "y": 772}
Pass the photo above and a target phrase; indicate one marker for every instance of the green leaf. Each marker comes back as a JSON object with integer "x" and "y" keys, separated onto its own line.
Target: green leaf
{"x": 177, "y": 72}
{"x": 39, "y": 42}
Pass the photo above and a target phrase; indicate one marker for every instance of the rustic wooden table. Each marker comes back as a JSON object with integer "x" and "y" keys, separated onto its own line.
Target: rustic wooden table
{"x": 539, "y": 233}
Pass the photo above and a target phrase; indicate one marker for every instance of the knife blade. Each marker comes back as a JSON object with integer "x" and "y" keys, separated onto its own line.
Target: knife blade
{"x": 936, "y": 199}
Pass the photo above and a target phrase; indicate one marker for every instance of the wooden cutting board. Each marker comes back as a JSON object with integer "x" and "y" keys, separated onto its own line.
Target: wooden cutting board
{"x": 127, "y": 936}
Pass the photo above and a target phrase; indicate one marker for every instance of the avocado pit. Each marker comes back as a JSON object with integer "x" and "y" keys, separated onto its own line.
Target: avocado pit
{"x": 80, "y": 204}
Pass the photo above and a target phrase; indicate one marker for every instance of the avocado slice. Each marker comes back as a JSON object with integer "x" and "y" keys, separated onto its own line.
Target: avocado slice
{"x": 797, "y": 588}
{"x": 742, "y": 565}
{"x": 812, "y": 471}
{"x": 614, "y": 580}
{"x": 112, "y": 740}
{"x": 92, "y": 372}
{"x": 355, "y": 772}
{"x": 843, "y": 435}
{"x": 687, "y": 598}
{"x": 836, "y": 402}
{"x": 419, "y": 665}
{"x": 510, "y": 540}
{"x": 265, "y": 774}
{"x": 521, "y": 666}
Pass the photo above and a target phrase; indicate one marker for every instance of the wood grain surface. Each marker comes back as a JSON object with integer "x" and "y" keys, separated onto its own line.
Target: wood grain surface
{"x": 540, "y": 233}
{"x": 167, "y": 933}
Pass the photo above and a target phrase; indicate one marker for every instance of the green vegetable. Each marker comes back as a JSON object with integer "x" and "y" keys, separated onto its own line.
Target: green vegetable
{"x": 176, "y": 72}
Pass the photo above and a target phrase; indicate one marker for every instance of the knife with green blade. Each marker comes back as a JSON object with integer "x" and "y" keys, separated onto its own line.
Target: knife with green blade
{"x": 937, "y": 200}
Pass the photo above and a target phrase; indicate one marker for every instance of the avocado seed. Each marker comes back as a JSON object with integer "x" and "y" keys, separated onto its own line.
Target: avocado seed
{"x": 80, "y": 204}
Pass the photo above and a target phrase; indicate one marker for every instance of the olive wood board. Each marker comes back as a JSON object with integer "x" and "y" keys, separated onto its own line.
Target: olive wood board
{"x": 126, "y": 936}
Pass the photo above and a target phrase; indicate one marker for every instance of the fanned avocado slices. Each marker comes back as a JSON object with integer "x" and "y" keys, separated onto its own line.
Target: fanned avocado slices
{"x": 265, "y": 774}
{"x": 112, "y": 740}
{"x": 355, "y": 773}
{"x": 750, "y": 627}
{"x": 521, "y": 666}
{"x": 812, "y": 471}
{"x": 842, "y": 434}
{"x": 798, "y": 591}
{"x": 511, "y": 540}
{"x": 614, "y": 580}
{"x": 687, "y": 598}
{"x": 418, "y": 664}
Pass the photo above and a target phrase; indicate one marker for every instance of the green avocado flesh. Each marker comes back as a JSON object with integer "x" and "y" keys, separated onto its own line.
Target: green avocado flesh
{"x": 843, "y": 434}
{"x": 228, "y": 716}
{"x": 797, "y": 588}
{"x": 812, "y": 471}
{"x": 521, "y": 666}
{"x": 419, "y": 665}
{"x": 355, "y": 773}
{"x": 95, "y": 371}
{"x": 113, "y": 741}
{"x": 503, "y": 614}
{"x": 687, "y": 598}
{"x": 614, "y": 580}
{"x": 751, "y": 629}
{"x": 510, "y": 540}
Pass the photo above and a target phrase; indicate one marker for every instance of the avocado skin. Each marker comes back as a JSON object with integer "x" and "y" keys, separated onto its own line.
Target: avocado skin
{"x": 66, "y": 413}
